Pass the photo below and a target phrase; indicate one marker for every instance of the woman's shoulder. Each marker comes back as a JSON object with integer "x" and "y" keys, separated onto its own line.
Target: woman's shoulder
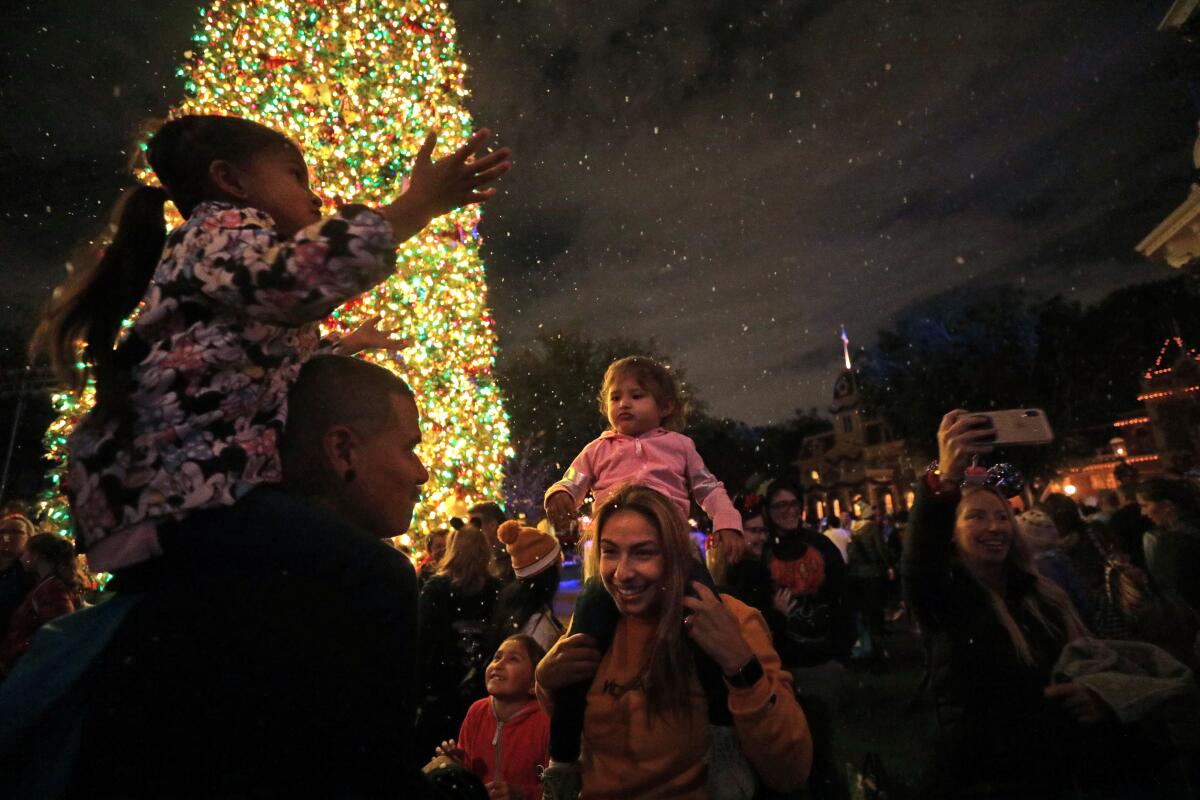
{"x": 744, "y": 612}
{"x": 52, "y": 585}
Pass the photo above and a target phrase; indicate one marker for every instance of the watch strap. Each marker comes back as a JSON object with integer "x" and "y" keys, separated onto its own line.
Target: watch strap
{"x": 748, "y": 675}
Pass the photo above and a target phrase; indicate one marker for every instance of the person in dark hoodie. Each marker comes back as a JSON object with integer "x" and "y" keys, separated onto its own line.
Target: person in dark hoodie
{"x": 818, "y": 632}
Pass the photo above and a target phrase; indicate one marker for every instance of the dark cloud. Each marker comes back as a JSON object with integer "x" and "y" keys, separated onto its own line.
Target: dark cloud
{"x": 733, "y": 178}
{"x": 748, "y": 176}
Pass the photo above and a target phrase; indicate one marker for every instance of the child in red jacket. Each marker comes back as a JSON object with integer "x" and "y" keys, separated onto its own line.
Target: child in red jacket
{"x": 505, "y": 737}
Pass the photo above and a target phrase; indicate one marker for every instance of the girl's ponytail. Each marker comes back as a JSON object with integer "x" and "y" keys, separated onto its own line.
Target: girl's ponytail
{"x": 90, "y": 306}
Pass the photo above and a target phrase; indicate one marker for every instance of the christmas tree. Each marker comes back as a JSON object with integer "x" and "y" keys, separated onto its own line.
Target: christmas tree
{"x": 358, "y": 84}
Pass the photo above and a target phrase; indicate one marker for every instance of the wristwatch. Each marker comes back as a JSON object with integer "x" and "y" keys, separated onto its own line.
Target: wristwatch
{"x": 747, "y": 676}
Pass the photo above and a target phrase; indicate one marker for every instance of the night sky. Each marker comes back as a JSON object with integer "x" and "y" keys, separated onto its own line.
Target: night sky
{"x": 730, "y": 177}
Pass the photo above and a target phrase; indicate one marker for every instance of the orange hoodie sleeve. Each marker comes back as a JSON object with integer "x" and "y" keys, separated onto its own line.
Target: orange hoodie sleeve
{"x": 770, "y": 725}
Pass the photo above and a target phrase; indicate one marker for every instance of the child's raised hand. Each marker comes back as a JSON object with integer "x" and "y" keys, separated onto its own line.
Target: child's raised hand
{"x": 450, "y": 749}
{"x": 435, "y": 187}
{"x": 560, "y": 508}
{"x": 368, "y": 336}
{"x": 455, "y": 180}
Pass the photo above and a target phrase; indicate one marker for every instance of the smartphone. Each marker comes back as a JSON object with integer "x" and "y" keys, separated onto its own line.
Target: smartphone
{"x": 1018, "y": 426}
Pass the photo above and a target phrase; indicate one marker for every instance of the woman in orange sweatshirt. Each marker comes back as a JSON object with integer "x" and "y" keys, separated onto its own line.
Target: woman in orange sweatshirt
{"x": 645, "y": 732}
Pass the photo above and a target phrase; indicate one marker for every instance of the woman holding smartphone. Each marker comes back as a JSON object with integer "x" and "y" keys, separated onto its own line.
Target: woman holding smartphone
{"x": 995, "y": 630}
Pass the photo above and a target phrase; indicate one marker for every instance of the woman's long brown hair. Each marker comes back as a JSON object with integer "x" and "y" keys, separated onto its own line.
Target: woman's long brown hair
{"x": 468, "y": 559}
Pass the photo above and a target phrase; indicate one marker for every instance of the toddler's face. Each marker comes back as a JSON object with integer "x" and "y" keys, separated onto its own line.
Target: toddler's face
{"x": 510, "y": 675}
{"x": 631, "y": 409}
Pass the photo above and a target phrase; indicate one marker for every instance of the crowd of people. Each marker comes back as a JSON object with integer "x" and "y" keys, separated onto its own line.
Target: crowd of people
{"x": 242, "y": 480}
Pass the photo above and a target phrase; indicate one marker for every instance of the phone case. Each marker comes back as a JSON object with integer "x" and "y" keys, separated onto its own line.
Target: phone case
{"x": 1019, "y": 426}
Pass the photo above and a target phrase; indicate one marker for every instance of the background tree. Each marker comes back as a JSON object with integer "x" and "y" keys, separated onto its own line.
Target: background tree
{"x": 744, "y": 456}
{"x": 995, "y": 349}
{"x": 963, "y": 349}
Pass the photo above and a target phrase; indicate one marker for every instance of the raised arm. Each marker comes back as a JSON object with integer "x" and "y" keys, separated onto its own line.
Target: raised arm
{"x": 770, "y": 724}
{"x": 247, "y": 269}
{"x": 575, "y": 485}
{"x": 925, "y": 564}
{"x": 709, "y": 492}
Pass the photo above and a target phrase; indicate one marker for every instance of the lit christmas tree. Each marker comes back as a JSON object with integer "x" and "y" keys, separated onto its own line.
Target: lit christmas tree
{"x": 358, "y": 84}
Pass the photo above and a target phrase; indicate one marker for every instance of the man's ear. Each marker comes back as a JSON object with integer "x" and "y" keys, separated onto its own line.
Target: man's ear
{"x": 228, "y": 179}
{"x": 340, "y": 446}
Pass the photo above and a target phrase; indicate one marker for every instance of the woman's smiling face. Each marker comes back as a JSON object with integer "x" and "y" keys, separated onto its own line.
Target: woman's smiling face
{"x": 983, "y": 528}
{"x": 632, "y": 566}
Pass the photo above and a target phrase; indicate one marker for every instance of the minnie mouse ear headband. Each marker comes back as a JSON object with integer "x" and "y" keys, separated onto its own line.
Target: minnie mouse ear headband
{"x": 1004, "y": 478}
{"x": 749, "y": 505}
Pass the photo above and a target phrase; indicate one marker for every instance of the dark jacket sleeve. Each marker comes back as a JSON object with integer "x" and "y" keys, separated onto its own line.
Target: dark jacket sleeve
{"x": 431, "y": 628}
{"x": 842, "y": 628}
{"x": 925, "y": 564}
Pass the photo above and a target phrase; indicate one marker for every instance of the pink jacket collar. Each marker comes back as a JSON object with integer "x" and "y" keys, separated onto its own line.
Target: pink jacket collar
{"x": 611, "y": 434}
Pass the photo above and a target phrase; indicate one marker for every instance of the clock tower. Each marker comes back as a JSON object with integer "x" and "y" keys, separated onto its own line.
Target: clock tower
{"x": 847, "y": 418}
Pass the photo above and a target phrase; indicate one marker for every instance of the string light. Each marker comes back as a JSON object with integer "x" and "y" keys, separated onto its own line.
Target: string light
{"x": 358, "y": 84}
{"x": 1167, "y": 393}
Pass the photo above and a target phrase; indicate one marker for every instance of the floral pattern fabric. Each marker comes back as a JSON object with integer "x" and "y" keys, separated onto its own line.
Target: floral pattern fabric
{"x": 228, "y": 320}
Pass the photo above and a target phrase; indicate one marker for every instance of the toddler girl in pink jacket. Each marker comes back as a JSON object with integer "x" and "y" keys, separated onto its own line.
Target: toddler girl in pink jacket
{"x": 644, "y": 407}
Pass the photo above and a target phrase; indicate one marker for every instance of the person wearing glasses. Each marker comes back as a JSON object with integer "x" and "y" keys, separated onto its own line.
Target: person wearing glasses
{"x": 15, "y": 581}
{"x": 810, "y": 582}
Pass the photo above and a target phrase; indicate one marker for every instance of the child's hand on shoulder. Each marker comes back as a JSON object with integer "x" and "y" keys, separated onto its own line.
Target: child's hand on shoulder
{"x": 560, "y": 508}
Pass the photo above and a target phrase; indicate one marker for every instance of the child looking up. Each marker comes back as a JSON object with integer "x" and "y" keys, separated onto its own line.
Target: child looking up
{"x": 191, "y": 401}
{"x": 504, "y": 737}
{"x": 645, "y": 410}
